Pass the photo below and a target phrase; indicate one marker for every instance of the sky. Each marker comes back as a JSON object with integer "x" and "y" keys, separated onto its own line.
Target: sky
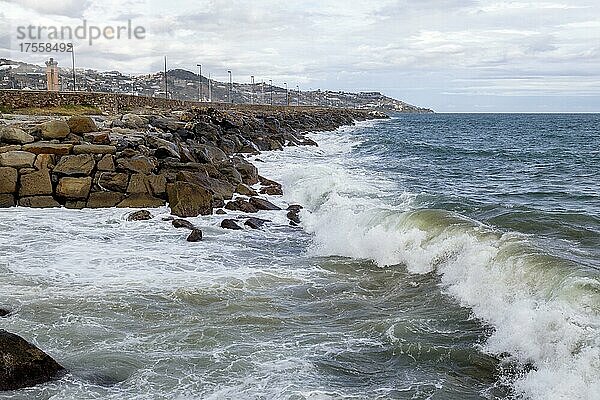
{"x": 448, "y": 55}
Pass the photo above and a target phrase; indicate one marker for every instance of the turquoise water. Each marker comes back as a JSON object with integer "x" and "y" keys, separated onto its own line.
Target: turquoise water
{"x": 440, "y": 256}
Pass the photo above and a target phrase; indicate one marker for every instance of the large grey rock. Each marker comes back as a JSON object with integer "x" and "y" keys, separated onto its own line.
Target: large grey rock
{"x": 17, "y": 159}
{"x": 54, "y": 130}
{"x": 22, "y": 364}
{"x": 9, "y": 134}
{"x": 189, "y": 200}
{"x": 81, "y": 164}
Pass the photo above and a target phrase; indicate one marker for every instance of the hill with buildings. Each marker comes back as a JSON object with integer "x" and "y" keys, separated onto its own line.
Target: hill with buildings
{"x": 184, "y": 85}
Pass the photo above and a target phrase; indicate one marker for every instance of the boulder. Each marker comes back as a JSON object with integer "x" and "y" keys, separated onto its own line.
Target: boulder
{"x": 248, "y": 171}
{"x": 17, "y": 159}
{"x": 112, "y": 181}
{"x": 189, "y": 200}
{"x": 230, "y": 173}
{"x": 74, "y": 188}
{"x": 54, "y": 130}
{"x": 106, "y": 163}
{"x": 164, "y": 148}
{"x": 210, "y": 154}
{"x": 7, "y": 200}
{"x": 80, "y": 124}
{"x": 267, "y": 182}
{"x": 255, "y": 223}
{"x": 240, "y": 204}
{"x": 183, "y": 223}
{"x": 81, "y": 164}
{"x": 140, "y": 164}
{"x": 262, "y": 204}
{"x": 140, "y": 200}
{"x": 8, "y": 180}
{"x": 293, "y": 215}
{"x": 38, "y": 202}
{"x": 272, "y": 190}
{"x": 94, "y": 149}
{"x": 35, "y": 184}
{"x": 97, "y": 137}
{"x": 9, "y": 134}
{"x": 4, "y": 313}
{"x": 104, "y": 199}
{"x": 195, "y": 236}
{"x": 141, "y": 215}
{"x": 220, "y": 211}
{"x": 219, "y": 188}
{"x": 152, "y": 184}
{"x": 245, "y": 190}
{"x": 230, "y": 224}
{"x": 48, "y": 148}
{"x": 24, "y": 365}
{"x": 133, "y": 121}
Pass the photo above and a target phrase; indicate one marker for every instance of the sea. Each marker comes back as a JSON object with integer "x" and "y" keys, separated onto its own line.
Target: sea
{"x": 440, "y": 256}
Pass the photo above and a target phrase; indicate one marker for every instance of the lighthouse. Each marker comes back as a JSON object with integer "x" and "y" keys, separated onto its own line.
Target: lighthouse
{"x": 52, "y": 75}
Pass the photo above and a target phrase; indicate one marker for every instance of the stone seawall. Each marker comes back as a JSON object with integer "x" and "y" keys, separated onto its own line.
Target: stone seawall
{"x": 195, "y": 160}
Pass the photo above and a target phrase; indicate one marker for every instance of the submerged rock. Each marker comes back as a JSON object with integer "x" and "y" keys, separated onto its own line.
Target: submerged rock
{"x": 230, "y": 224}
{"x": 255, "y": 223}
{"x": 182, "y": 223}
{"x": 22, "y": 364}
{"x": 195, "y": 236}
{"x": 240, "y": 204}
{"x": 4, "y": 313}
{"x": 142, "y": 215}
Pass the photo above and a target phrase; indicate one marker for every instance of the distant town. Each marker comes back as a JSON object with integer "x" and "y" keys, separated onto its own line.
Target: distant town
{"x": 186, "y": 85}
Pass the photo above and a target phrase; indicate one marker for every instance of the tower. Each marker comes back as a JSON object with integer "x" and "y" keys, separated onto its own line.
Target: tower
{"x": 52, "y": 75}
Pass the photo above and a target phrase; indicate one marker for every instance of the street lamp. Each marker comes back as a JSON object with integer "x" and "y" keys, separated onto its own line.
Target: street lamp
{"x": 287, "y": 94}
{"x": 298, "y": 98}
{"x": 200, "y": 80}
{"x": 73, "y": 60}
{"x": 230, "y": 86}
{"x": 271, "y": 90}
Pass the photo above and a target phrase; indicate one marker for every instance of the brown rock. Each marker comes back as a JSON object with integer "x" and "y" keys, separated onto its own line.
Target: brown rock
{"x": 8, "y": 180}
{"x": 141, "y": 215}
{"x": 104, "y": 199}
{"x": 272, "y": 190}
{"x": 189, "y": 200}
{"x": 248, "y": 171}
{"x": 81, "y": 164}
{"x": 74, "y": 188}
{"x": 80, "y": 124}
{"x": 245, "y": 190}
{"x": 7, "y": 200}
{"x": 94, "y": 149}
{"x": 230, "y": 224}
{"x": 139, "y": 164}
{"x": 141, "y": 200}
{"x": 12, "y": 147}
{"x": 220, "y": 211}
{"x": 48, "y": 148}
{"x": 9, "y": 134}
{"x": 23, "y": 365}
{"x": 183, "y": 223}
{"x": 17, "y": 159}
{"x": 55, "y": 130}
{"x": 44, "y": 161}
{"x": 106, "y": 163}
{"x": 75, "y": 204}
{"x": 263, "y": 204}
{"x": 35, "y": 184}
{"x": 97, "y": 137}
{"x": 38, "y": 202}
{"x": 151, "y": 184}
{"x": 112, "y": 181}
{"x": 255, "y": 223}
{"x": 195, "y": 236}
{"x": 240, "y": 204}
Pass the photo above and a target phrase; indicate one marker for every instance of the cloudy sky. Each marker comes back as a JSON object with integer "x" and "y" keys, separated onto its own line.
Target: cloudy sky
{"x": 450, "y": 55}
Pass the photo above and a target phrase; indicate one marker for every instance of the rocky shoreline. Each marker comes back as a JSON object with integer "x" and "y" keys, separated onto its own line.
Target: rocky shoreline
{"x": 194, "y": 160}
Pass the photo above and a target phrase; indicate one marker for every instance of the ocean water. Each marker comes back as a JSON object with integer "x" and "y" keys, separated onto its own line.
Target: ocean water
{"x": 440, "y": 257}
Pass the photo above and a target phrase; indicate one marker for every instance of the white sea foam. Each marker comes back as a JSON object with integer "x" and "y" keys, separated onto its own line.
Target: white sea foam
{"x": 544, "y": 310}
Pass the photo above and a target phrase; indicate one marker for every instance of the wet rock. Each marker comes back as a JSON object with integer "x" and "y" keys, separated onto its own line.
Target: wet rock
{"x": 104, "y": 199}
{"x": 195, "y": 236}
{"x": 230, "y": 224}
{"x": 7, "y": 200}
{"x": 247, "y": 170}
{"x": 267, "y": 182}
{"x": 255, "y": 223}
{"x": 295, "y": 207}
{"x": 272, "y": 190}
{"x": 38, "y": 202}
{"x": 183, "y": 223}
{"x": 54, "y": 130}
{"x": 245, "y": 190}
{"x": 189, "y": 200}
{"x": 81, "y": 164}
{"x": 240, "y": 204}
{"x": 17, "y": 159}
{"x": 210, "y": 154}
{"x": 294, "y": 216}
{"x": 80, "y": 124}
{"x": 220, "y": 211}
{"x": 230, "y": 173}
{"x": 141, "y": 200}
{"x": 14, "y": 135}
{"x": 141, "y": 215}
{"x": 24, "y": 365}
{"x": 4, "y": 313}
{"x": 262, "y": 204}
{"x": 8, "y": 180}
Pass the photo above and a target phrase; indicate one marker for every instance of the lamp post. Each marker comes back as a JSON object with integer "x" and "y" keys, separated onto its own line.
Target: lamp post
{"x": 252, "y": 83}
{"x": 271, "y": 90}
{"x": 287, "y": 94}
{"x": 166, "y": 81}
{"x": 298, "y": 98}
{"x": 230, "y": 87}
{"x": 209, "y": 88}
{"x": 200, "y": 82}
{"x": 73, "y": 61}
